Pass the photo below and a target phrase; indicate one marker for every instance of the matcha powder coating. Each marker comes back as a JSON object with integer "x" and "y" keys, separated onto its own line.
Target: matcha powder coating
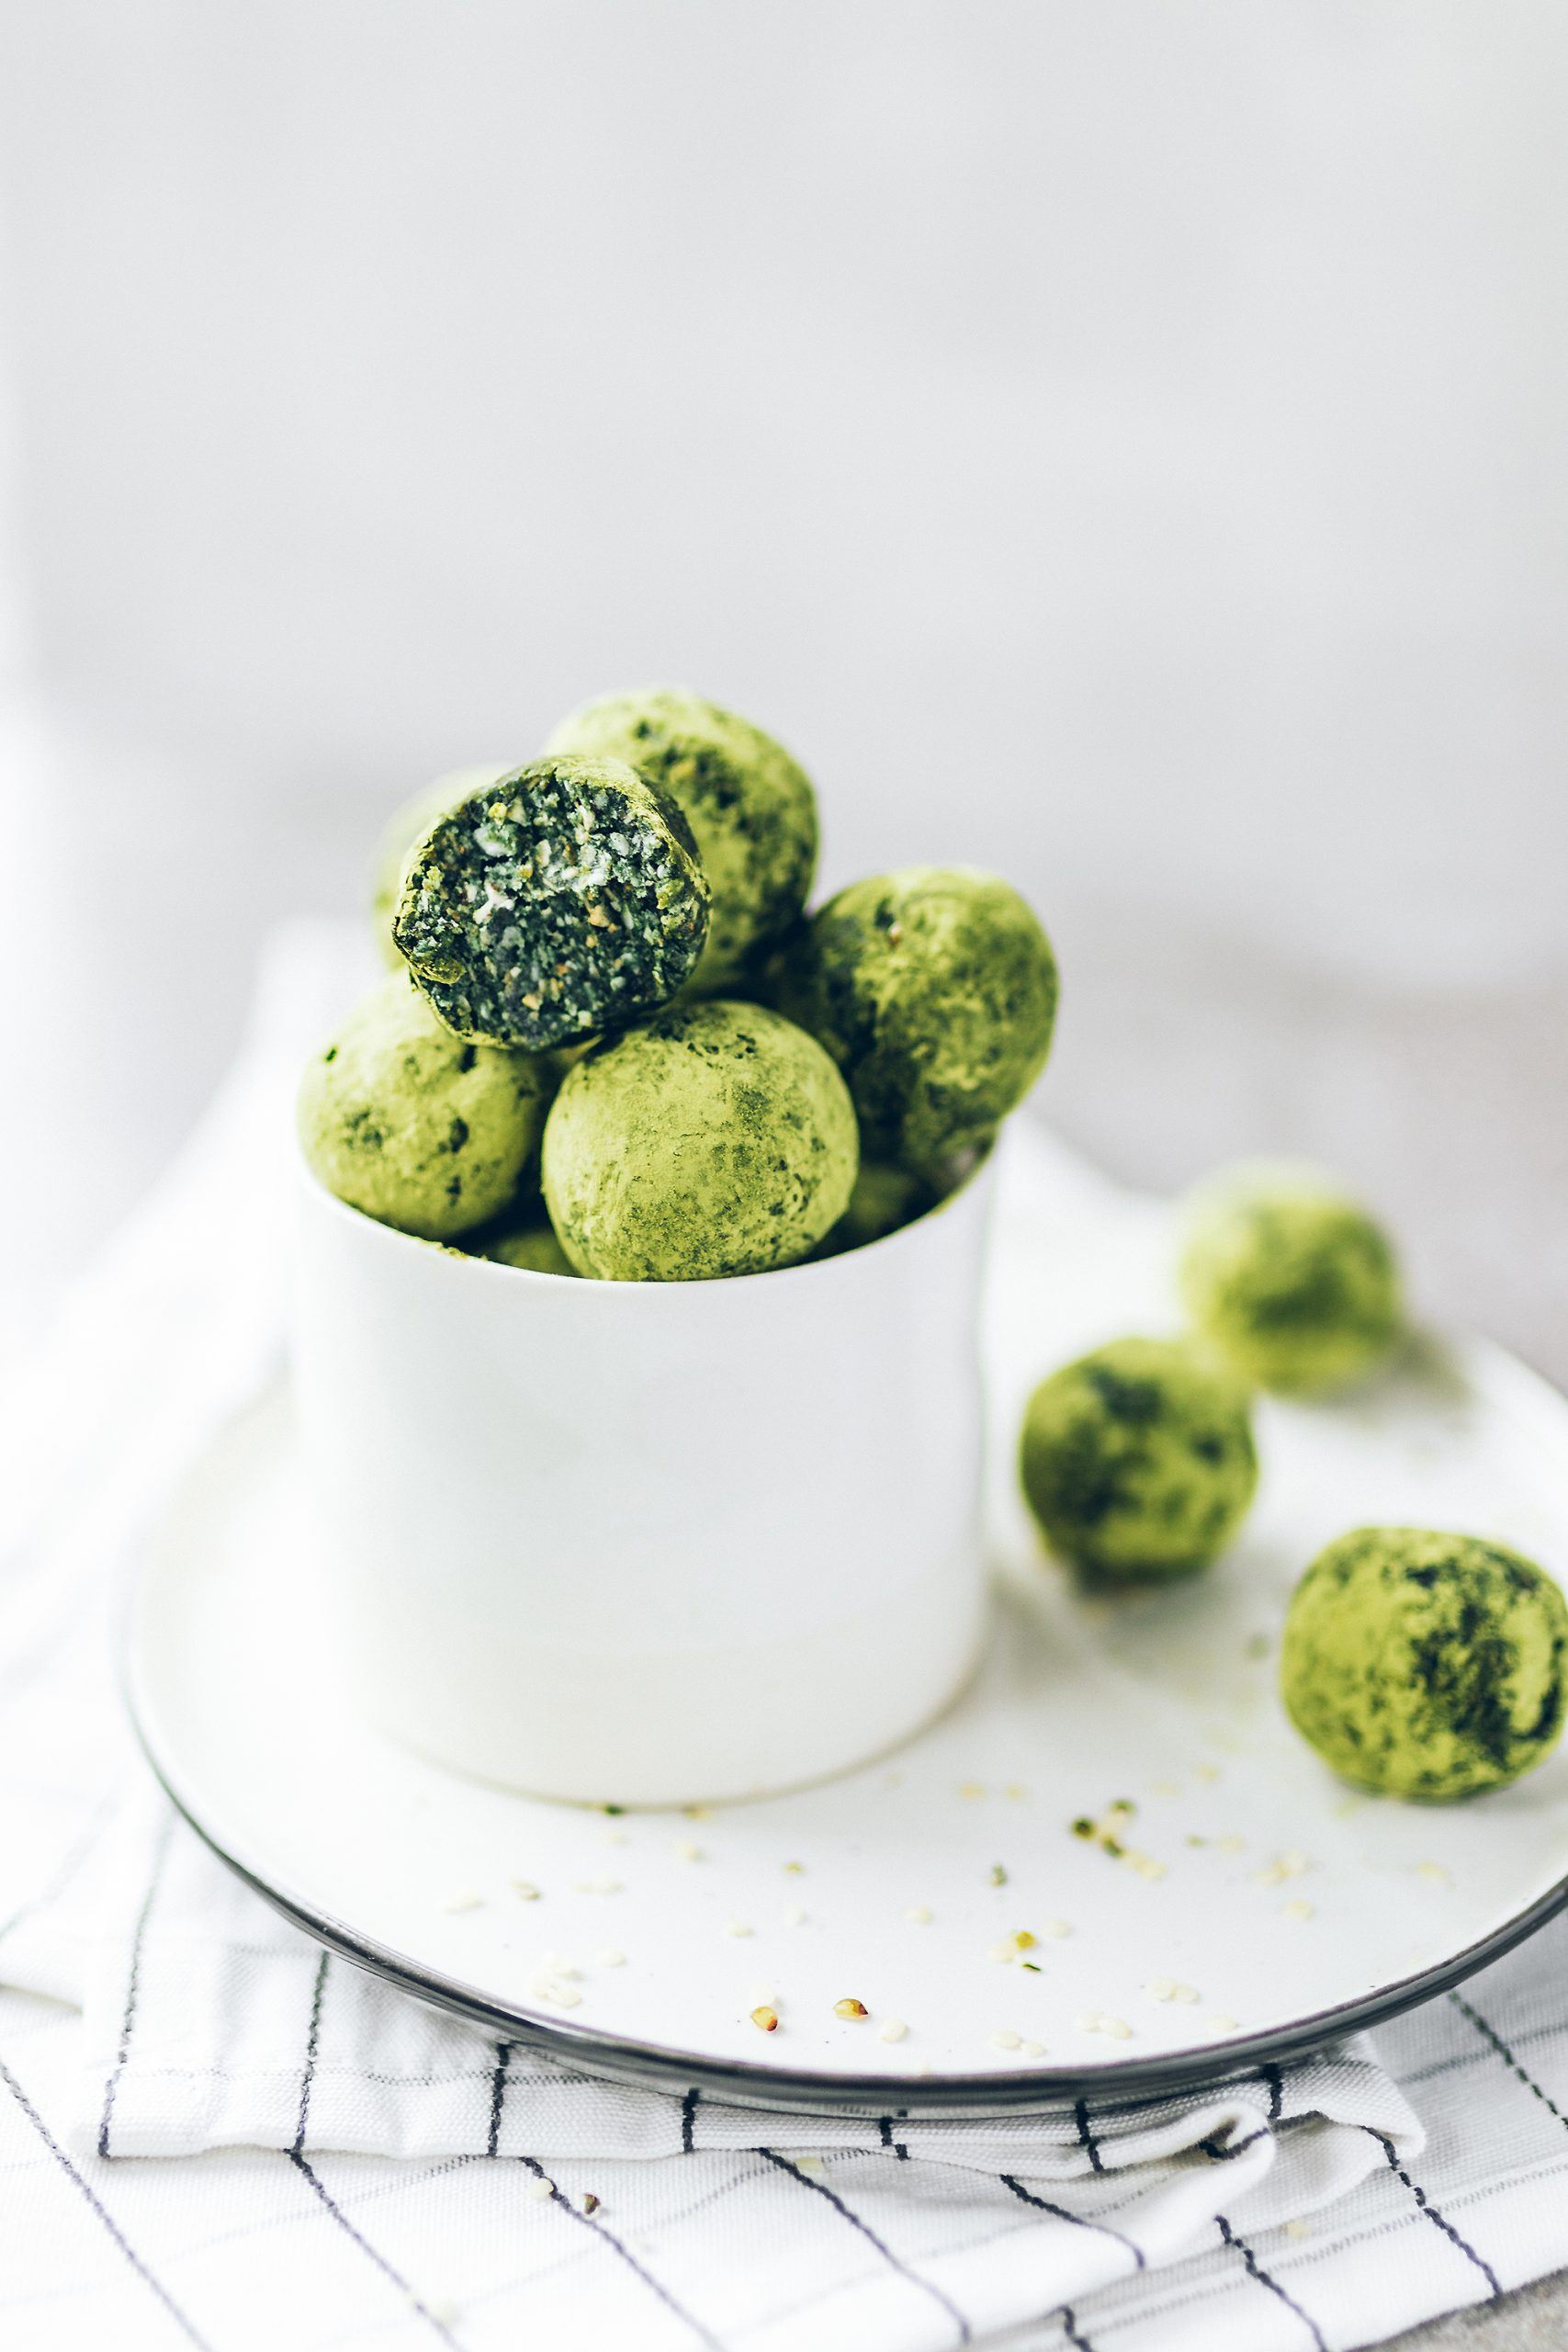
{"x": 713, "y": 1140}
{"x": 1294, "y": 1283}
{"x": 752, "y": 810}
{"x": 401, "y": 1119}
{"x": 563, "y": 899}
{"x": 1137, "y": 1460}
{"x": 934, "y": 990}
{"x": 1423, "y": 1665}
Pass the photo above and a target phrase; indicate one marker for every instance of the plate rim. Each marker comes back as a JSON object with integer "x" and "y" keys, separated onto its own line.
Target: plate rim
{"x": 742, "y": 2083}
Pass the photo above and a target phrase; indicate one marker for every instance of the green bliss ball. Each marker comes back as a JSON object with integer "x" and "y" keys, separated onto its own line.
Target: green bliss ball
{"x": 1422, "y": 1665}
{"x": 404, "y": 830}
{"x": 1293, "y": 1281}
{"x": 884, "y": 1199}
{"x": 1137, "y": 1460}
{"x": 713, "y": 1140}
{"x": 403, "y": 1120}
{"x": 934, "y": 990}
{"x": 531, "y": 1246}
{"x": 751, "y": 808}
{"x": 560, "y": 900}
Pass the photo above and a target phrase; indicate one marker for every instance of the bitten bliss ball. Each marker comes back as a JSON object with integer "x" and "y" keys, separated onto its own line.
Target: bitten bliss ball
{"x": 1137, "y": 1460}
{"x": 406, "y": 828}
{"x": 713, "y": 1140}
{"x": 406, "y": 1121}
{"x": 1295, "y": 1284}
{"x": 1425, "y": 1665}
{"x": 934, "y": 990}
{"x": 750, "y": 808}
{"x": 557, "y": 901}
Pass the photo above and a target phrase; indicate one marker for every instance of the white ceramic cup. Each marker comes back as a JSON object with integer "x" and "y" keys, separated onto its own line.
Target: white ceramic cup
{"x": 647, "y": 1544}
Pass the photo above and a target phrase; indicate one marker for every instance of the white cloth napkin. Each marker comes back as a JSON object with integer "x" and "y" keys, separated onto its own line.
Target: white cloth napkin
{"x": 208, "y": 2023}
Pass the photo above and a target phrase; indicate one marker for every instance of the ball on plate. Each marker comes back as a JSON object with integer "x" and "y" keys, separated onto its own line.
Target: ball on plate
{"x": 750, "y": 808}
{"x": 405, "y": 828}
{"x": 1137, "y": 1459}
{"x": 934, "y": 990}
{"x": 1292, "y": 1279}
{"x": 413, "y": 1125}
{"x": 713, "y": 1140}
{"x": 1425, "y": 1665}
{"x": 555, "y": 903}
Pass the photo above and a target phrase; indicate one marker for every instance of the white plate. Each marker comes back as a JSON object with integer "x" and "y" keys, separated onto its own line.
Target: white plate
{"x": 1291, "y": 1909}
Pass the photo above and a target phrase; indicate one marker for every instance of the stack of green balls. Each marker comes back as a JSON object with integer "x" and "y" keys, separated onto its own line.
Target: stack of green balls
{"x": 614, "y": 1044}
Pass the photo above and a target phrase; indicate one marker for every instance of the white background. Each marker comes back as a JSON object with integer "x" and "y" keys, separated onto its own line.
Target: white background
{"x": 1121, "y": 445}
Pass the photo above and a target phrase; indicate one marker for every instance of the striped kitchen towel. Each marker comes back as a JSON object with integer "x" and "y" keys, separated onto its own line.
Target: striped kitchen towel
{"x": 351, "y": 2162}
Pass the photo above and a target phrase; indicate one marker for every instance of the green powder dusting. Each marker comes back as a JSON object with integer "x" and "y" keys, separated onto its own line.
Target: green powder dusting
{"x": 713, "y": 1140}
{"x": 750, "y": 808}
{"x": 403, "y": 1120}
{"x": 1423, "y": 1665}
{"x": 934, "y": 990}
{"x": 563, "y": 899}
{"x": 1294, "y": 1282}
{"x": 1137, "y": 1459}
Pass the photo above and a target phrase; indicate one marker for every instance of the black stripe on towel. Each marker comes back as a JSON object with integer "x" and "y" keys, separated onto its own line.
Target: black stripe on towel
{"x": 1439, "y": 2221}
{"x": 312, "y": 2038}
{"x": 1265, "y": 2278}
{"x": 497, "y": 2095}
{"x": 1506, "y": 2055}
{"x": 820, "y": 2188}
{"x": 1081, "y": 2221}
{"x": 133, "y": 1985}
{"x": 116, "y": 2232}
{"x": 1085, "y": 2137}
{"x": 608, "y": 2237}
{"x": 422, "y": 2311}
